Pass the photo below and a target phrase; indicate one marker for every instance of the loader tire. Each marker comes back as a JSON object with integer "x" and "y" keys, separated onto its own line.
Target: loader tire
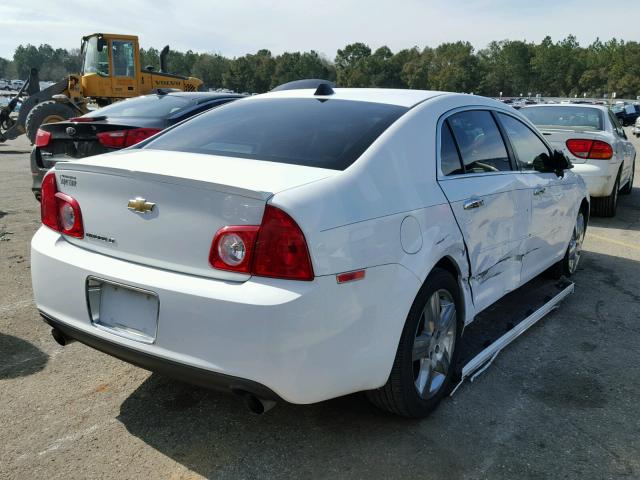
{"x": 46, "y": 112}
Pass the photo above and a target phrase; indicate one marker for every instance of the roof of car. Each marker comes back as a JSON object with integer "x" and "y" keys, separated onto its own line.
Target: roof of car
{"x": 576, "y": 105}
{"x": 400, "y": 97}
{"x": 200, "y": 96}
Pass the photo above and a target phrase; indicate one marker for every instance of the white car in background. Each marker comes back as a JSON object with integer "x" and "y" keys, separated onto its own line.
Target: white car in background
{"x": 595, "y": 142}
{"x": 636, "y": 128}
{"x": 307, "y": 244}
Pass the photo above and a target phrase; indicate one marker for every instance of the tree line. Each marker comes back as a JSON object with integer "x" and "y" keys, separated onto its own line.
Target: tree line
{"x": 513, "y": 67}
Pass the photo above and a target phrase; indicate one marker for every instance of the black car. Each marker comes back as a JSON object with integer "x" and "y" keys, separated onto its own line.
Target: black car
{"x": 626, "y": 114}
{"x": 116, "y": 126}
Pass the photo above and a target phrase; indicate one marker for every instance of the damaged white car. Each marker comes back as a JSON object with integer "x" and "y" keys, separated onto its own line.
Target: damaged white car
{"x": 306, "y": 244}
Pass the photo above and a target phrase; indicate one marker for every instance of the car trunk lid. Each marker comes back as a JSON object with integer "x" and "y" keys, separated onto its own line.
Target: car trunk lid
{"x": 558, "y": 137}
{"x": 193, "y": 196}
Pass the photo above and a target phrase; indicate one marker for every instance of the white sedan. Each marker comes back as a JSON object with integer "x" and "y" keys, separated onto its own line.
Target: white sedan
{"x": 595, "y": 143}
{"x": 307, "y": 244}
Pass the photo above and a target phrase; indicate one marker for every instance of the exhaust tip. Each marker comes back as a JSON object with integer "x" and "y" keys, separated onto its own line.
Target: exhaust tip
{"x": 60, "y": 338}
{"x": 257, "y": 405}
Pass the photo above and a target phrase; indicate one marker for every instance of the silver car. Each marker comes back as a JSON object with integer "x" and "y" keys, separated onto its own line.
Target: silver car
{"x": 595, "y": 142}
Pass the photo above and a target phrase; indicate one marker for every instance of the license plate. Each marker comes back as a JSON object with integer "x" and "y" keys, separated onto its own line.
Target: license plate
{"x": 123, "y": 310}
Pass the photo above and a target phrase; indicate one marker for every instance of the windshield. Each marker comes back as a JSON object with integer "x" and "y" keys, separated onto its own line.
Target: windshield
{"x": 157, "y": 106}
{"x": 299, "y": 131}
{"x": 575, "y": 117}
{"x": 95, "y": 61}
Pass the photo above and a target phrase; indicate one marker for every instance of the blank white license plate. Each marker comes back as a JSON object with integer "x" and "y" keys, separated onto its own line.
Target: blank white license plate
{"x": 125, "y": 311}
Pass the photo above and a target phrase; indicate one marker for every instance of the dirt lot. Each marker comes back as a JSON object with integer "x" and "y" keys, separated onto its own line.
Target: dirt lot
{"x": 561, "y": 402}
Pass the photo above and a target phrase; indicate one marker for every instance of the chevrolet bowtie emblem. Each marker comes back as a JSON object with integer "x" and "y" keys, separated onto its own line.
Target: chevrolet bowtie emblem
{"x": 141, "y": 205}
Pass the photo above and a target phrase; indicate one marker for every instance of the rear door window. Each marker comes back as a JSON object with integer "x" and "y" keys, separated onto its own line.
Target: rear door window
{"x": 479, "y": 141}
{"x": 299, "y": 131}
{"x": 450, "y": 163}
{"x": 527, "y": 145}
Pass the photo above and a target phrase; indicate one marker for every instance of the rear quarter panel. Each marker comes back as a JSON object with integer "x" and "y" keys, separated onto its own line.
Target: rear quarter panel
{"x": 354, "y": 219}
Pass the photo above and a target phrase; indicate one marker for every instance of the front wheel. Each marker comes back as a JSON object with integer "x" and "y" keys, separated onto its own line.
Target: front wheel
{"x": 569, "y": 264}
{"x": 46, "y": 112}
{"x": 426, "y": 357}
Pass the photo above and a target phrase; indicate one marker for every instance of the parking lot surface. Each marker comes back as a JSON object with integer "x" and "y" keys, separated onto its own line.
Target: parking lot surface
{"x": 560, "y": 402}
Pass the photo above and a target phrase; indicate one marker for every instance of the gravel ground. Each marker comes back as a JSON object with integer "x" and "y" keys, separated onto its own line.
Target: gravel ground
{"x": 561, "y": 402}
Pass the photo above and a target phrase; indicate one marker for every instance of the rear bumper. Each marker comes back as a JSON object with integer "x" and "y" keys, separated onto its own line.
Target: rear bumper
{"x": 303, "y": 341}
{"x": 598, "y": 175}
{"x": 180, "y": 371}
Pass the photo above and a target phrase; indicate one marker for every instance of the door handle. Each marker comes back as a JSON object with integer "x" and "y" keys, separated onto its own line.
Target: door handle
{"x": 473, "y": 203}
{"x": 539, "y": 191}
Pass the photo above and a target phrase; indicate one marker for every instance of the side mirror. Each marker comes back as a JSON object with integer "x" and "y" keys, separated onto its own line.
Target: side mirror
{"x": 560, "y": 163}
{"x": 101, "y": 44}
{"x": 556, "y": 163}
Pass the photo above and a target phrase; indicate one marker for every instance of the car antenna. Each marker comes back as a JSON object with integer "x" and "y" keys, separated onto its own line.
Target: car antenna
{"x": 324, "y": 89}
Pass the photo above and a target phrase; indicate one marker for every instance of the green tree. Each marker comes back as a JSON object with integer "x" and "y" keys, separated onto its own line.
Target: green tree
{"x": 351, "y": 65}
{"x": 211, "y": 69}
{"x": 454, "y": 68}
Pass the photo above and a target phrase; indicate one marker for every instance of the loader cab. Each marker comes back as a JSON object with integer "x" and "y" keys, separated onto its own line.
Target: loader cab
{"x": 110, "y": 66}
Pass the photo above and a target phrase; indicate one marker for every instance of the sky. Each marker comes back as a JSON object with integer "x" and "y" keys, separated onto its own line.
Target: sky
{"x": 236, "y": 27}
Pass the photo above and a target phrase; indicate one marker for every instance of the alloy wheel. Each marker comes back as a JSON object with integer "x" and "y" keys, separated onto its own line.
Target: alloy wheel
{"x": 575, "y": 244}
{"x": 434, "y": 344}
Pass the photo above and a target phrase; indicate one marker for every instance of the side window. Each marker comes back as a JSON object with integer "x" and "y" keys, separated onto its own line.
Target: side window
{"x": 526, "y": 144}
{"x": 122, "y": 55}
{"x": 449, "y": 159}
{"x": 479, "y": 141}
{"x": 617, "y": 128}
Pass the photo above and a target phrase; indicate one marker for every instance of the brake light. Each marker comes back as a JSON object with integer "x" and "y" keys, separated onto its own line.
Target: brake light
{"x": 59, "y": 211}
{"x": 277, "y": 248}
{"x": 125, "y": 138}
{"x": 81, "y": 119}
{"x": 594, "y": 149}
{"x": 42, "y": 138}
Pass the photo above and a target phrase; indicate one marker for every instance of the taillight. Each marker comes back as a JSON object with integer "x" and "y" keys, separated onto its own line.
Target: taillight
{"x": 81, "y": 119}
{"x": 281, "y": 249}
{"x": 42, "y": 138}
{"x": 594, "y": 149}
{"x": 59, "y": 211}
{"x": 125, "y": 138}
{"x": 277, "y": 248}
{"x": 232, "y": 248}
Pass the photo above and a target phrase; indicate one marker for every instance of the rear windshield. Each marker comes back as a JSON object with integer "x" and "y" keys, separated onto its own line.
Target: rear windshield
{"x": 578, "y": 117}
{"x": 299, "y": 131}
{"x": 156, "y": 106}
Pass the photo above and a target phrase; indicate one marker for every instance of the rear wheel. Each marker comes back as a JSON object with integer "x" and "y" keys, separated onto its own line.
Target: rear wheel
{"x": 606, "y": 206}
{"x": 425, "y": 361}
{"x": 628, "y": 188}
{"x": 46, "y": 112}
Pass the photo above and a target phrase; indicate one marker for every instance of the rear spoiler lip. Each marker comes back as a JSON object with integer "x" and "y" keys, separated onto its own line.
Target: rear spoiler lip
{"x": 160, "y": 178}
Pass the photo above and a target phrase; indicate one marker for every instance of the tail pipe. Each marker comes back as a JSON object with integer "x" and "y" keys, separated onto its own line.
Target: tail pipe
{"x": 257, "y": 405}
{"x": 61, "y": 338}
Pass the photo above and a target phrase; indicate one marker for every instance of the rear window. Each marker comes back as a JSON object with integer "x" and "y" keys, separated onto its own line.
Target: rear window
{"x": 299, "y": 131}
{"x": 156, "y": 106}
{"x": 575, "y": 117}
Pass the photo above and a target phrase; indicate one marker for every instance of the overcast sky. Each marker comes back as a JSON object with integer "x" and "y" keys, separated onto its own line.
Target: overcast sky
{"x": 235, "y": 27}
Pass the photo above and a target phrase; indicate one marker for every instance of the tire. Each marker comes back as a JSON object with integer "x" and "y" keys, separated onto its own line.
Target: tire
{"x": 424, "y": 363}
{"x": 46, "y": 112}
{"x": 628, "y": 188}
{"x": 606, "y": 206}
{"x": 569, "y": 264}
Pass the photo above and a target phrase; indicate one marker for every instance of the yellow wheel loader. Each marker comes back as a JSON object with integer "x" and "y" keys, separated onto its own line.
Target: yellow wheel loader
{"x": 111, "y": 71}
